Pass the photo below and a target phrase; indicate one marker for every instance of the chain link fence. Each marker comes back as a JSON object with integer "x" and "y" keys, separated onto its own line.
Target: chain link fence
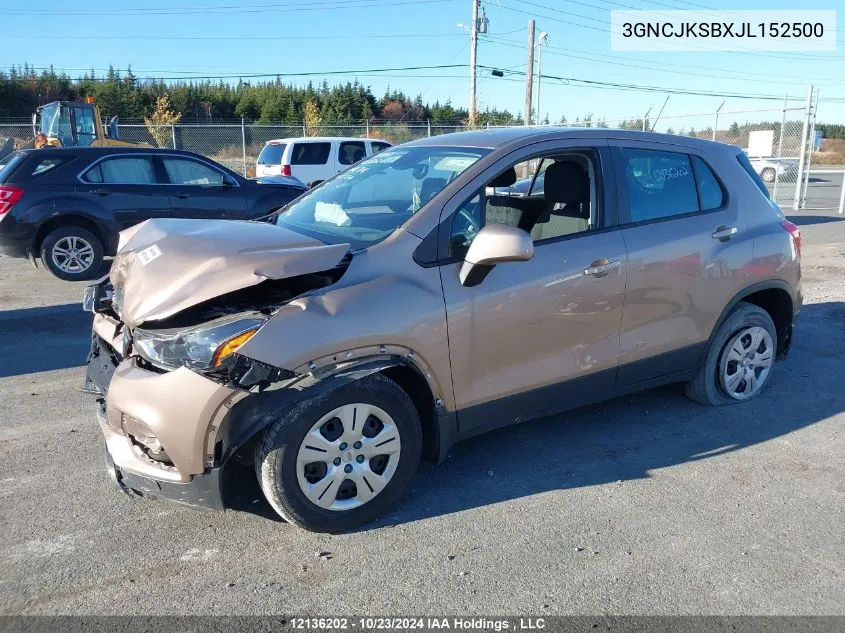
{"x": 778, "y": 141}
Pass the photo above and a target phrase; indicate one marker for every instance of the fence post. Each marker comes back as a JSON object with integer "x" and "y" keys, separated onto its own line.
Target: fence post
{"x": 368, "y": 128}
{"x": 716, "y": 122}
{"x": 842, "y": 195}
{"x": 173, "y": 134}
{"x": 796, "y": 200}
{"x": 304, "y": 131}
{"x": 243, "y": 142}
{"x": 780, "y": 147}
{"x": 428, "y": 125}
{"x": 811, "y": 143}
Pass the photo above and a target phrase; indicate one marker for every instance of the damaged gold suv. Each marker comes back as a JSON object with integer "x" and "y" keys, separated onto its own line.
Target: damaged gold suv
{"x": 432, "y": 292}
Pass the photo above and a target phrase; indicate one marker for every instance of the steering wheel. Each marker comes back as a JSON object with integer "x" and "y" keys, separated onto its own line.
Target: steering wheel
{"x": 471, "y": 228}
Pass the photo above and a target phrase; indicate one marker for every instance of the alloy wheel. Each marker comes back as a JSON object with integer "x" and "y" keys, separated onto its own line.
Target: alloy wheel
{"x": 348, "y": 456}
{"x": 746, "y": 362}
{"x": 73, "y": 254}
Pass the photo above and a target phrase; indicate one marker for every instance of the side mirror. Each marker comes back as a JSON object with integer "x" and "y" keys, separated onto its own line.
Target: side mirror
{"x": 228, "y": 181}
{"x": 494, "y": 244}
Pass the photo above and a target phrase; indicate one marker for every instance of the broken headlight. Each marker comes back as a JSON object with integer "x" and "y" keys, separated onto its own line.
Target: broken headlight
{"x": 201, "y": 347}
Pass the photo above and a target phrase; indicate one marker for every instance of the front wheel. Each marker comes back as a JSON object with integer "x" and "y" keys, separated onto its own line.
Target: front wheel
{"x": 72, "y": 253}
{"x": 768, "y": 175}
{"x": 740, "y": 359}
{"x": 339, "y": 460}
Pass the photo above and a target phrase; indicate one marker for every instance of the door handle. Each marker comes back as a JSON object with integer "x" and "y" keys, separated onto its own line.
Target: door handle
{"x": 101, "y": 192}
{"x": 601, "y": 267}
{"x": 182, "y": 195}
{"x": 724, "y": 233}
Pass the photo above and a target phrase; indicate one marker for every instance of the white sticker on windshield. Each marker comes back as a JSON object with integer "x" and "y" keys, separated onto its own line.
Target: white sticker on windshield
{"x": 149, "y": 254}
{"x": 455, "y": 163}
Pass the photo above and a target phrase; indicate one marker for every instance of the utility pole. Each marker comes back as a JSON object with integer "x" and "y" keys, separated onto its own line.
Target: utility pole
{"x": 473, "y": 54}
{"x": 529, "y": 73}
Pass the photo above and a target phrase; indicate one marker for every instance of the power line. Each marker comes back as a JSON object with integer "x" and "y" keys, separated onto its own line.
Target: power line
{"x": 236, "y": 37}
{"x": 662, "y": 89}
{"x": 274, "y": 75}
{"x": 511, "y": 73}
{"x": 335, "y": 5}
{"x": 571, "y": 53}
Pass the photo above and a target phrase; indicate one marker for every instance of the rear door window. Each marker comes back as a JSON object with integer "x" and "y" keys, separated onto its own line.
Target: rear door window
{"x": 272, "y": 154}
{"x": 378, "y": 146}
{"x": 310, "y": 153}
{"x": 184, "y": 171}
{"x": 351, "y": 152}
{"x": 660, "y": 184}
{"x": 134, "y": 170}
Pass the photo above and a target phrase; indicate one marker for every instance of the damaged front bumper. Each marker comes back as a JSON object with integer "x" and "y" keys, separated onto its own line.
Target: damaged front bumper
{"x": 178, "y": 413}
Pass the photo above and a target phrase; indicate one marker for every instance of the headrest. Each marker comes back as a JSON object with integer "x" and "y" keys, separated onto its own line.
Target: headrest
{"x": 431, "y": 187}
{"x": 505, "y": 179}
{"x": 566, "y": 182}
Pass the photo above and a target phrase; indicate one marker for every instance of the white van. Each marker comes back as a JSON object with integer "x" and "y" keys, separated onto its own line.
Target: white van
{"x": 313, "y": 159}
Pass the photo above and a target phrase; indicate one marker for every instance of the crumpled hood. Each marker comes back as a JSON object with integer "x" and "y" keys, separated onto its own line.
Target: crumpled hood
{"x": 166, "y": 265}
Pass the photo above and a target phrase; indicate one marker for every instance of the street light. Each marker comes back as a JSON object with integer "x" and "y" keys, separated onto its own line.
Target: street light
{"x": 543, "y": 38}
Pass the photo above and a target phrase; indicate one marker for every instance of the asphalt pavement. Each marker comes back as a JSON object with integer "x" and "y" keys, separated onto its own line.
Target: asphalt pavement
{"x": 824, "y": 188}
{"x": 648, "y": 504}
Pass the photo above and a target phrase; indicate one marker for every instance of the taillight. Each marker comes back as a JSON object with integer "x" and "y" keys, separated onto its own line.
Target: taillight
{"x": 795, "y": 232}
{"x": 8, "y": 197}
{"x": 286, "y": 170}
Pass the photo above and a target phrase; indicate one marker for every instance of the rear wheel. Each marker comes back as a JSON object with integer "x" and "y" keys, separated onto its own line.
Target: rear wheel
{"x": 740, "y": 359}
{"x": 72, "y": 253}
{"x": 339, "y": 460}
{"x": 768, "y": 175}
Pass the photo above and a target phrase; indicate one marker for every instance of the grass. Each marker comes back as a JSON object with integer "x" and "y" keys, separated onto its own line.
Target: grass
{"x": 831, "y": 153}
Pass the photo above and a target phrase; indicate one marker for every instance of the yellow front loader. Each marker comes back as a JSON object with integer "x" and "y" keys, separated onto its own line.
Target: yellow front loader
{"x": 70, "y": 124}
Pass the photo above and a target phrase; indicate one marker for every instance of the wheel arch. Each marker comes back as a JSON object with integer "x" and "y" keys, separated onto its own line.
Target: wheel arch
{"x": 69, "y": 219}
{"x": 776, "y": 298}
{"x": 252, "y": 415}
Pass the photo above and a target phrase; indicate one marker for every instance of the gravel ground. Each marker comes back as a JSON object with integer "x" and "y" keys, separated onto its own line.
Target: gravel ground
{"x": 647, "y": 504}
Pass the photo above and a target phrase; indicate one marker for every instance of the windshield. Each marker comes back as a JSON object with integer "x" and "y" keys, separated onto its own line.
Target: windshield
{"x": 367, "y": 202}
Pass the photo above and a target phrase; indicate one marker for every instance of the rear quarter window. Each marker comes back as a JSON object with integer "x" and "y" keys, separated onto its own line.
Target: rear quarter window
{"x": 310, "y": 153}
{"x": 749, "y": 169}
{"x": 33, "y": 168}
{"x": 8, "y": 165}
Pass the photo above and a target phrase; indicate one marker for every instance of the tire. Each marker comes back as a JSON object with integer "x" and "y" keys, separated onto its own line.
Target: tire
{"x": 712, "y": 381}
{"x": 87, "y": 263}
{"x": 768, "y": 175}
{"x": 282, "y": 457}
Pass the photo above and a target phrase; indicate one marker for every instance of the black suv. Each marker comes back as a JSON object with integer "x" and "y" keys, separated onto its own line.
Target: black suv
{"x": 67, "y": 205}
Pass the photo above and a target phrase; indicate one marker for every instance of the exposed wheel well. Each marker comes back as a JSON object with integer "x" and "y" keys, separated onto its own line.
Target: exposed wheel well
{"x": 67, "y": 220}
{"x": 416, "y": 386}
{"x": 778, "y": 303}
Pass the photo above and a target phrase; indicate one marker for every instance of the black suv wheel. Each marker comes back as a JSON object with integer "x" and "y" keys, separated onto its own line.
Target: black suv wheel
{"x": 72, "y": 253}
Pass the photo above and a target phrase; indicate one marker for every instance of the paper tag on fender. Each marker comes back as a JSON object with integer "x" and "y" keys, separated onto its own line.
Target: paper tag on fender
{"x": 149, "y": 254}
